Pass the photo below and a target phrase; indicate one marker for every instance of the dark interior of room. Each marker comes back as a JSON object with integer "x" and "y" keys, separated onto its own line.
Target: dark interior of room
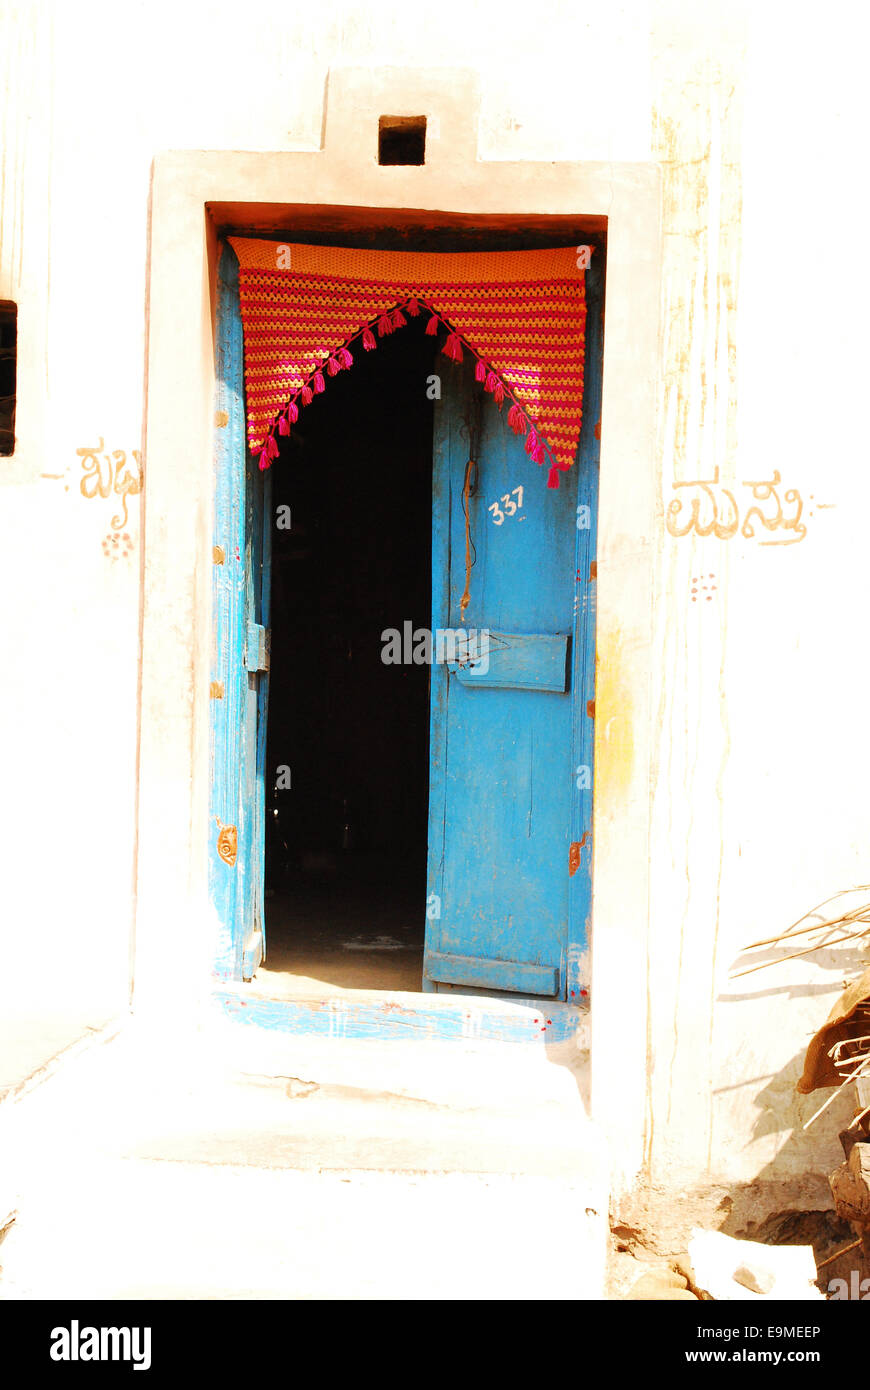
{"x": 346, "y": 841}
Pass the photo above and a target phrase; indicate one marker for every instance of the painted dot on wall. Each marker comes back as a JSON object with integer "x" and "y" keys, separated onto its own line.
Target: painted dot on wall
{"x": 702, "y": 585}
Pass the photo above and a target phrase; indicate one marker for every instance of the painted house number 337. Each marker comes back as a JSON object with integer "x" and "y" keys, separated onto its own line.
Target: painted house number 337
{"x": 510, "y": 507}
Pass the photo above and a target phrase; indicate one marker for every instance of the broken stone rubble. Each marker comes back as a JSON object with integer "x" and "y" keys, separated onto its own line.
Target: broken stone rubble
{"x": 731, "y": 1269}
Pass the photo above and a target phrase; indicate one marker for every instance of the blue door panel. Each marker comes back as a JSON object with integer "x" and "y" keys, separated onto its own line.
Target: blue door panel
{"x": 239, "y": 692}
{"x": 516, "y": 660}
{"x": 501, "y": 740}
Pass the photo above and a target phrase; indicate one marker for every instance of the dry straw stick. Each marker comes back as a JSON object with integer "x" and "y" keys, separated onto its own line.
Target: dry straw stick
{"x": 865, "y": 1065}
{"x": 855, "y": 915}
{"x": 793, "y": 955}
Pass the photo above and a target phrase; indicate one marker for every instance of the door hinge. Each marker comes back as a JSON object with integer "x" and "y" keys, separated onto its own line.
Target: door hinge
{"x": 575, "y": 852}
{"x": 228, "y": 844}
{"x": 257, "y": 643}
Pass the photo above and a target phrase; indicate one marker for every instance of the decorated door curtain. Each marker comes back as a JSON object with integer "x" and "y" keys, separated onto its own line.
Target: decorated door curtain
{"x": 308, "y": 310}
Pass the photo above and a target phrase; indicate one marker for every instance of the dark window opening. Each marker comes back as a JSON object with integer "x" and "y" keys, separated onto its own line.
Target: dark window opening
{"x": 402, "y": 140}
{"x": 8, "y": 353}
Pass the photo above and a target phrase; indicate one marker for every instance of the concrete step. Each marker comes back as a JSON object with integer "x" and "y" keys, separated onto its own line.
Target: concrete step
{"x": 174, "y": 1230}
{"x": 203, "y": 1165}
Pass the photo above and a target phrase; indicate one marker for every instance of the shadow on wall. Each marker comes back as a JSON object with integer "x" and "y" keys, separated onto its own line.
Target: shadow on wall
{"x": 575, "y": 1059}
{"x": 829, "y": 924}
{"x": 789, "y": 1200}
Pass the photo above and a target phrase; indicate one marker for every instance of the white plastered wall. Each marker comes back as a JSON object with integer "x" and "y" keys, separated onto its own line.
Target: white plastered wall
{"x": 751, "y": 709}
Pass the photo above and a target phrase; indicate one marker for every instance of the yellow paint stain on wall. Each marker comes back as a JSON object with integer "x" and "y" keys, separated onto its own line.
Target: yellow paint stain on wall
{"x": 614, "y": 732}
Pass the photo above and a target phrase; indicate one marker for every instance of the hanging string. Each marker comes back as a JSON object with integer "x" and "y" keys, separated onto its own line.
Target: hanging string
{"x": 470, "y": 467}
{"x": 472, "y": 427}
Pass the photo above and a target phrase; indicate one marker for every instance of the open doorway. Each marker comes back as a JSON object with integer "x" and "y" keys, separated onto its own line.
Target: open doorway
{"x": 347, "y": 759}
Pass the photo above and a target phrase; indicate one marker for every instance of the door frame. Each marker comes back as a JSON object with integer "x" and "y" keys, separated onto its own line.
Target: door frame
{"x": 196, "y": 196}
{"x": 235, "y": 475}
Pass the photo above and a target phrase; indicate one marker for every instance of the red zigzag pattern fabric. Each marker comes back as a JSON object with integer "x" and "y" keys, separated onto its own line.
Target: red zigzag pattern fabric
{"x": 521, "y": 314}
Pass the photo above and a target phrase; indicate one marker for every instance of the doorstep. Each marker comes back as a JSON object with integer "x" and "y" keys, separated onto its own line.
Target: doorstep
{"x": 401, "y": 1015}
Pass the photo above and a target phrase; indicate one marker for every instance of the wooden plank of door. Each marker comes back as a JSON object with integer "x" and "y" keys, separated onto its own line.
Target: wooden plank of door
{"x": 228, "y": 684}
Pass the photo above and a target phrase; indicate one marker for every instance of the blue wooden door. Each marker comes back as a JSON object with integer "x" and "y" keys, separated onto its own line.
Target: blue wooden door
{"x": 239, "y": 688}
{"x": 509, "y": 880}
{"x": 511, "y": 724}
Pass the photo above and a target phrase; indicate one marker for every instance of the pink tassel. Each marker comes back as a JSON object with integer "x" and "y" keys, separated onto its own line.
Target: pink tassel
{"x": 368, "y": 340}
{"x": 413, "y": 308}
{"x": 453, "y": 348}
{"x": 306, "y": 395}
{"x": 553, "y": 477}
{"x": 319, "y": 383}
{"x": 498, "y": 394}
{"x": 345, "y": 358}
{"x": 516, "y": 419}
{"x": 480, "y": 370}
{"x": 399, "y": 319}
{"x": 538, "y": 456}
{"x": 333, "y": 367}
{"x": 531, "y": 442}
{"x": 265, "y": 461}
{"x": 283, "y": 425}
{"x": 384, "y": 325}
{"x": 432, "y": 325}
{"x": 272, "y": 447}
{"x": 292, "y": 412}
